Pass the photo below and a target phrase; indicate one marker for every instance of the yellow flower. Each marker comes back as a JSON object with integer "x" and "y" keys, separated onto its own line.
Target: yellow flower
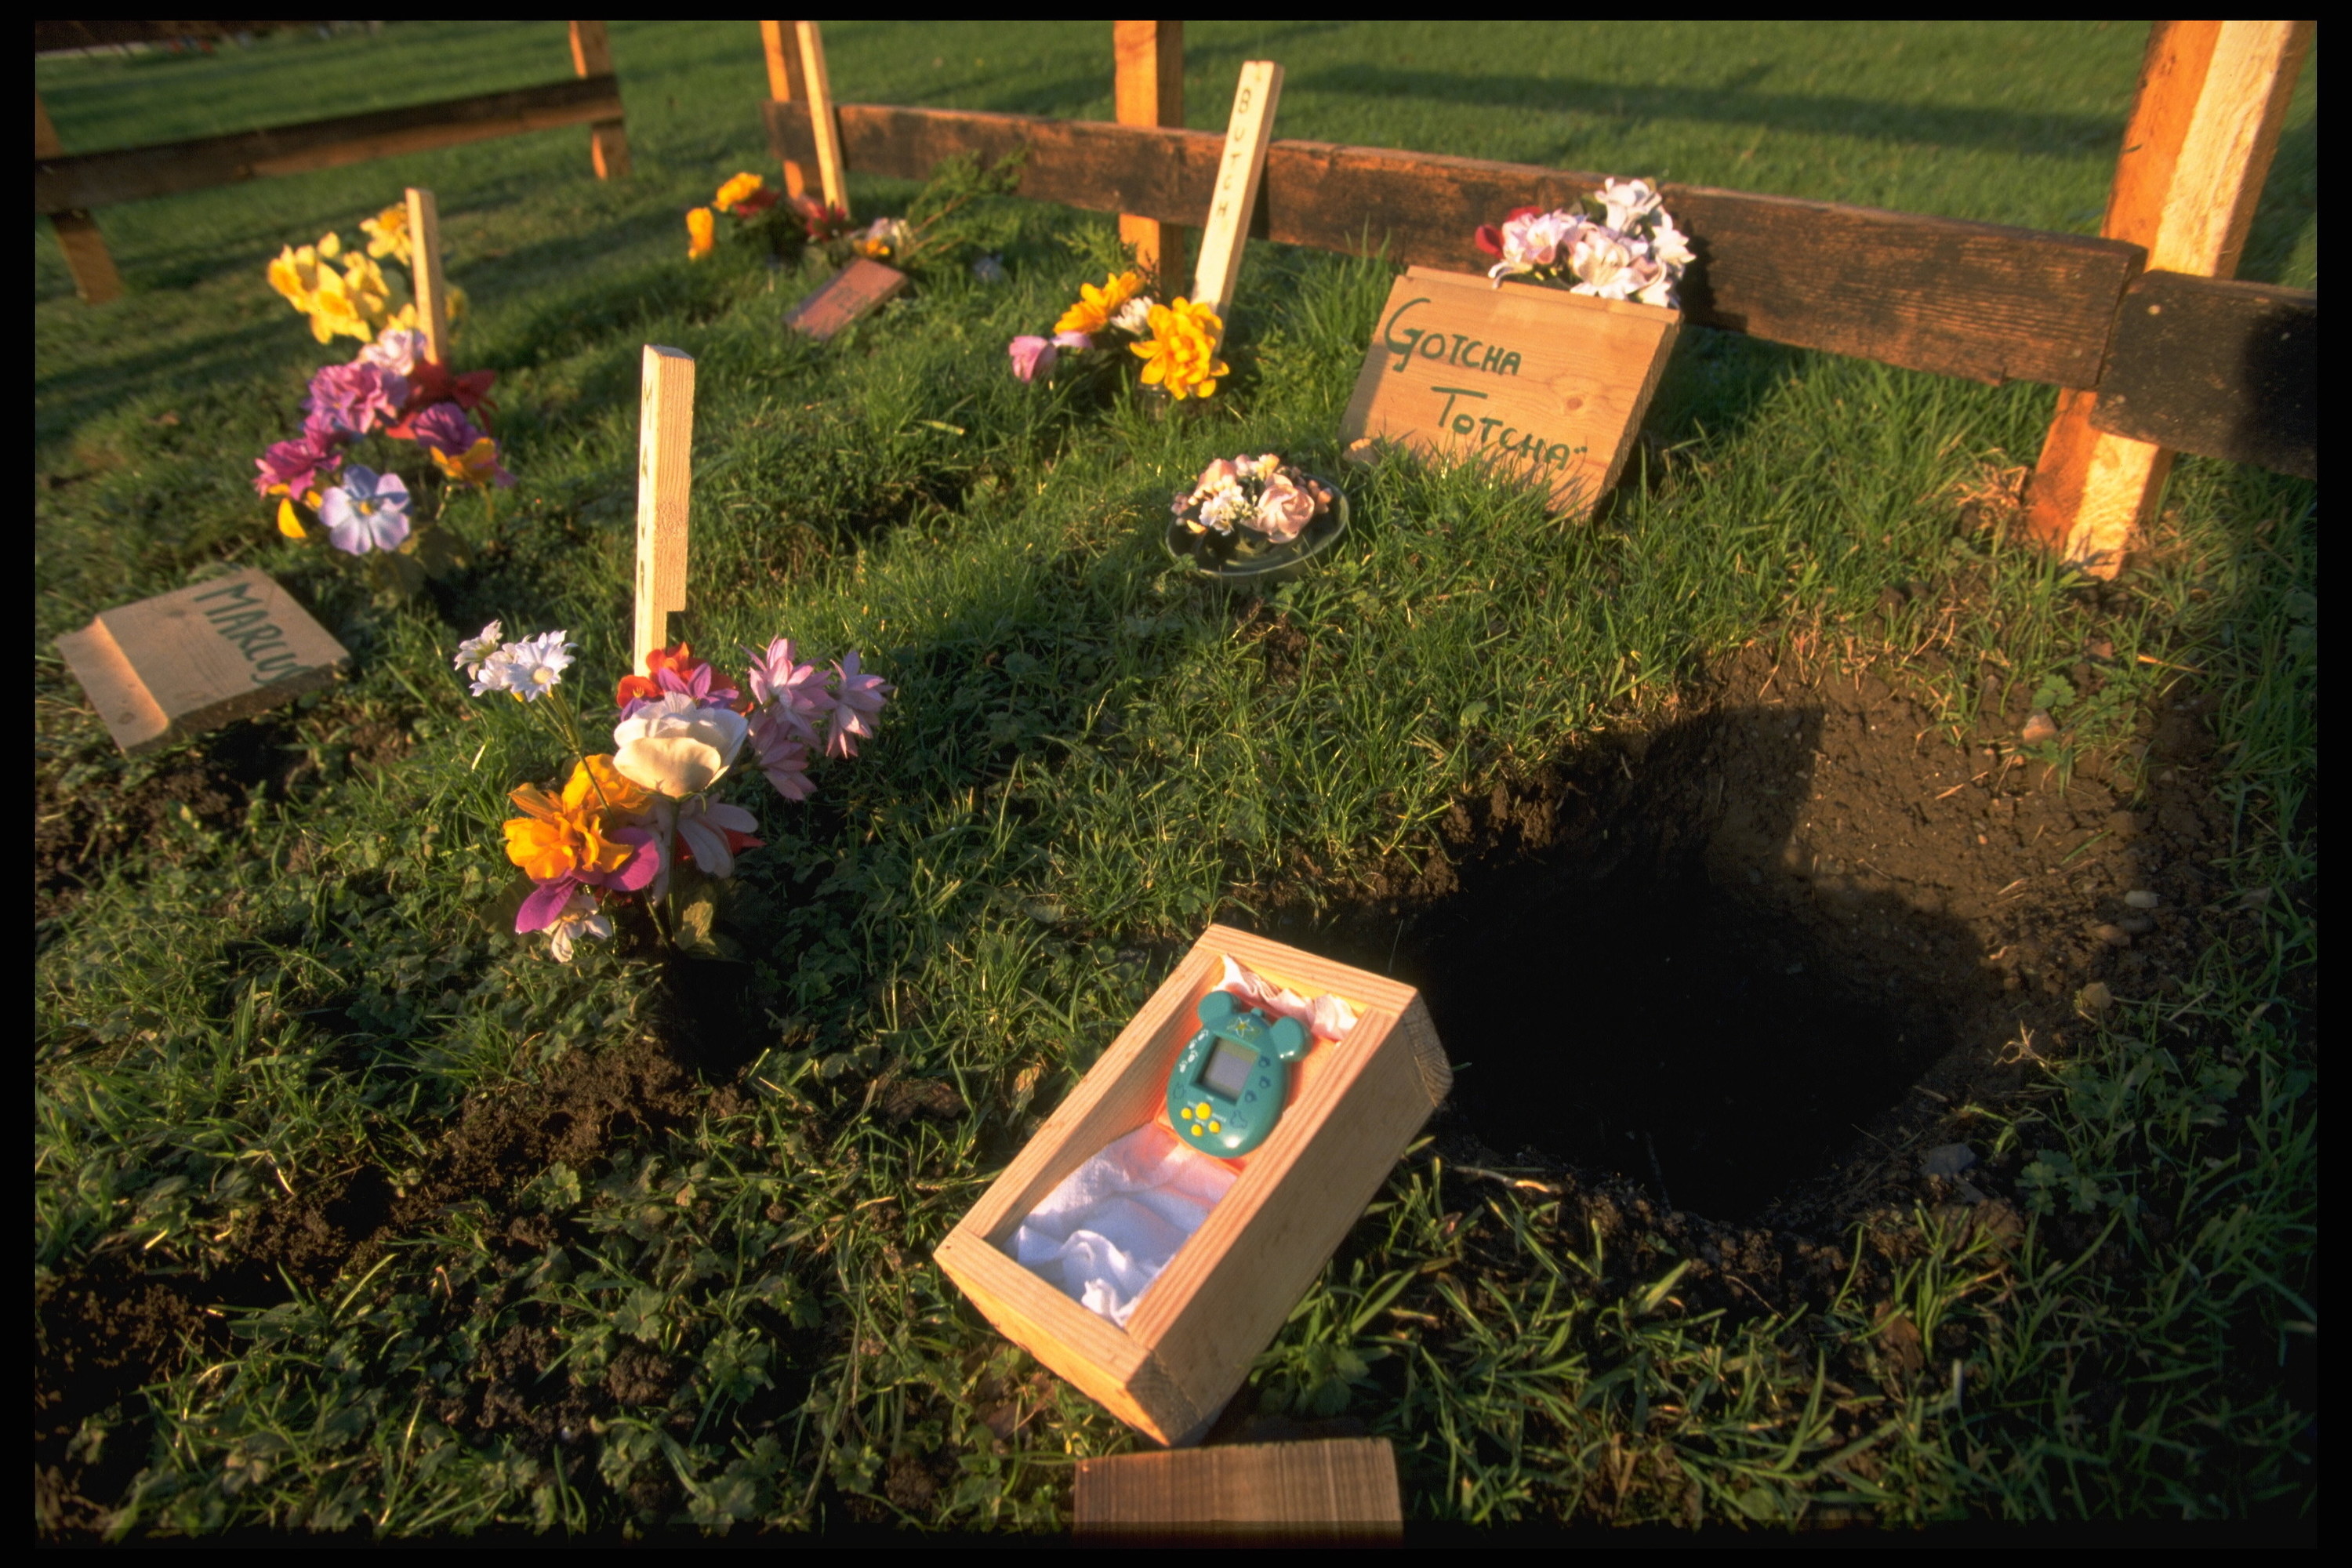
{"x": 595, "y": 780}
{"x": 477, "y": 466}
{"x": 455, "y": 304}
{"x": 331, "y": 246}
{"x": 1181, "y": 355}
{"x": 735, "y": 191}
{"x": 1095, "y": 307}
{"x": 289, "y": 522}
{"x": 387, "y": 235}
{"x": 702, "y": 232}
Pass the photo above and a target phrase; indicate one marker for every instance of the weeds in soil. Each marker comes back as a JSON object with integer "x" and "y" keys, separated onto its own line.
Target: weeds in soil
{"x": 457, "y": 1238}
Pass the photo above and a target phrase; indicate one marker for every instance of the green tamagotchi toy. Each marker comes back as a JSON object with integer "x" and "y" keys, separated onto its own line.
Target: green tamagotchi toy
{"x": 1230, "y": 1080}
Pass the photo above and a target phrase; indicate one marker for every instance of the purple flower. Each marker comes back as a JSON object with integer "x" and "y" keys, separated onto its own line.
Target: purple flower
{"x": 783, "y": 754}
{"x": 1033, "y": 356}
{"x": 797, "y": 689}
{"x": 367, "y": 512}
{"x": 354, "y": 398}
{"x": 445, "y": 428}
{"x": 295, "y": 465}
{"x": 856, "y": 696}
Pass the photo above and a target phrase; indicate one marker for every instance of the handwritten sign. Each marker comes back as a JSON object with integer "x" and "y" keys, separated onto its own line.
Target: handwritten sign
{"x": 1535, "y": 382}
{"x": 166, "y": 667}
{"x": 856, "y": 291}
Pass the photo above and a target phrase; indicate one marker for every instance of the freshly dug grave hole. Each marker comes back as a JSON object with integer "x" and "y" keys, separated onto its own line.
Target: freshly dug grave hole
{"x": 1750, "y": 958}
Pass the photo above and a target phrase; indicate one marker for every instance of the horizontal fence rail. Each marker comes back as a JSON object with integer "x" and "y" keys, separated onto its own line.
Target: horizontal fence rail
{"x": 1984, "y": 301}
{"x": 65, "y": 185}
{"x": 2218, "y": 367}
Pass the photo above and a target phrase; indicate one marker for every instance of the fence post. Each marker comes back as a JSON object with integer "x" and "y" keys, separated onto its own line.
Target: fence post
{"x": 95, "y": 279}
{"x": 2212, "y": 96}
{"x": 1149, "y": 91}
{"x": 608, "y": 139}
{"x": 779, "y": 41}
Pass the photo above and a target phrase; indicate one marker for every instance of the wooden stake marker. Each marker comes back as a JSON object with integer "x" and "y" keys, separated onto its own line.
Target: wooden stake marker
{"x": 424, "y": 274}
{"x": 664, "y": 475}
{"x": 1239, "y": 174}
{"x": 827, "y": 130}
{"x": 170, "y": 667}
{"x": 1534, "y": 383}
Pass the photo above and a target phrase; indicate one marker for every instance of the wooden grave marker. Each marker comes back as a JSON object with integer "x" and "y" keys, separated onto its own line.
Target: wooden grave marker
{"x": 1534, "y": 383}
{"x": 167, "y": 668}
{"x": 665, "y": 477}
{"x": 1240, "y": 171}
{"x": 424, "y": 274}
{"x": 857, "y": 289}
{"x": 1335, "y": 1491}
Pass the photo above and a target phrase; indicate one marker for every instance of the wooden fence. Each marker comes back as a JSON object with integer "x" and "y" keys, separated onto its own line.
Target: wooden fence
{"x": 68, "y": 188}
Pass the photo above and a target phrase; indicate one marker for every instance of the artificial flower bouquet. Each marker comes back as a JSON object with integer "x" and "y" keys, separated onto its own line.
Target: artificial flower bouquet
{"x": 1177, "y": 341}
{"x": 1631, "y": 251}
{"x": 391, "y": 392}
{"x": 643, "y": 826}
{"x": 1246, "y": 512}
{"x": 936, "y": 227}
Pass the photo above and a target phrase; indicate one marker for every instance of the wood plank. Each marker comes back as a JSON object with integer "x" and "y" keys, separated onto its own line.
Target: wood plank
{"x": 1147, "y": 89}
{"x": 424, "y": 273}
{"x": 856, "y": 290}
{"x": 825, "y": 129}
{"x": 1985, "y": 301}
{"x": 664, "y": 479}
{"x": 2212, "y": 96}
{"x": 134, "y": 173}
{"x": 1241, "y": 167}
{"x": 87, "y": 261}
{"x": 1538, "y": 384}
{"x": 170, "y": 667}
{"x": 780, "y": 44}
{"x": 608, "y": 139}
{"x": 1336, "y": 1491}
{"x": 2216, "y": 367}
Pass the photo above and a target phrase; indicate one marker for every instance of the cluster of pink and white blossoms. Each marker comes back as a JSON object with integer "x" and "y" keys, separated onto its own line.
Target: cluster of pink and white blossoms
{"x": 1632, "y": 251}
{"x": 1263, "y": 494}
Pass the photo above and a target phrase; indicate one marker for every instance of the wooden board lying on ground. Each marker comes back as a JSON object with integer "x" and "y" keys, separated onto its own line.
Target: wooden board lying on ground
{"x": 857, "y": 289}
{"x": 1530, "y": 381}
{"x": 131, "y": 173}
{"x": 1338, "y": 1490}
{"x": 1232, "y": 1285}
{"x": 166, "y": 667}
{"x": 2217, "y": 367}
{"x": 1981, "y": 301}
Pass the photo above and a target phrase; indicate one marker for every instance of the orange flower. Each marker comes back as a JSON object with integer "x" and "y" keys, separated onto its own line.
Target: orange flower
{"x": 1095, "y": 307}
{"x": 1181, "y": 356}
{"x": 702, "y": 232}
{"x": 560, "y": 836}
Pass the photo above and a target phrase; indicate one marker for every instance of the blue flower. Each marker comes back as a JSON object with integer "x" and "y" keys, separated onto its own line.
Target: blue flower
{"x": 367, "y": 512}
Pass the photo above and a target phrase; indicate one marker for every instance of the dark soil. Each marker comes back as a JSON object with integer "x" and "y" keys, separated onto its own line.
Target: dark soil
{"x": 1754, "y": 959}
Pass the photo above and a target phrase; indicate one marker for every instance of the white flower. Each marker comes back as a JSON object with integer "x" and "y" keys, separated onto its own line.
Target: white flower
{"x": 1671, "y": 245}
{"x": 475, "y": 649}
{"x": 1604, "y": 263}
{"x": 581, "y": 918}
{"x": 1627, "y": 200}
{"x": 676, "y": 747}
{"x": 1134, "y": 317}
{"x": 397, "y": 350}
{"x": 700, "y": 824}
{"x": 527, "y": 669}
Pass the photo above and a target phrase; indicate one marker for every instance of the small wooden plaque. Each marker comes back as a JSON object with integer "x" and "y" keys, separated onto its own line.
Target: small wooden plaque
{"x": 1338, "y": 1490}
{"x": 166, "y": 667}
{"x": 1528, "y": 380}
{"x": 856, "y": 291}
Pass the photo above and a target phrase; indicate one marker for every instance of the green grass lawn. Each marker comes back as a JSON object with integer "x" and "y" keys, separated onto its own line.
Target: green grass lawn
{"x": 268, "y": 993}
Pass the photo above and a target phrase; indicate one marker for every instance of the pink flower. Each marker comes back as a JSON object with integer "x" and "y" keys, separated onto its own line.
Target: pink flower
{"x": 1284, "y": 511}
{"x": 443, "y": 428}
{"x": 797, "y": 689}
{"x": 712, "y": 831}
{"x": 1033, "y": 356}
{"x": 857, "y": 697}
{"x": 296, "y": 467}
{"x": 397, "y": 349}
{"x": 1073, "y": 341}
{"x": 782, "y": 753}
{"x": 355, "y": 397}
